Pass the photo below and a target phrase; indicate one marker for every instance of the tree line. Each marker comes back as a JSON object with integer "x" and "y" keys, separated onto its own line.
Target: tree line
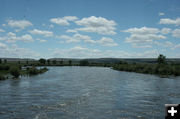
{"x": 161, "y": 67}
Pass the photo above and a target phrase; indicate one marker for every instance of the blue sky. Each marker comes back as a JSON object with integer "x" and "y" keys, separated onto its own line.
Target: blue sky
{"x": 89, "y": 28}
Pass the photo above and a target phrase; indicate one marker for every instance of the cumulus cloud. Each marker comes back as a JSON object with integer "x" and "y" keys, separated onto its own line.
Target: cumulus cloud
{"x": 11, "y": 38}
{"x": 176, "y": 33}
{"x": 134, "y": 45}
{"x": 98, "y": 25}
{"x": 51, "y": 26}
{"x": 161, "y": 14}
{"x": 143, "y": 37}
{"x": 4, "y": 25}
{"x": 41, "y": 32}
{"x": 15, "y": 51}
{"x": 75, "y": 38}
{"x": 1, "y": 30}
{"x": 168, "y": 44}
{"x": 83, "y": 52}
{"x": 20, "y": 24}
{"x": 105, "y": 41}
{"x": 176, "y": 46}
{"x": 170, "y": 21}
{"x": 64, "y": 21}
{"x": 71, "y": 31}
{"x": 165, "y": 30}
{"x": 142, "y": 30}
{"x": 2, "y": 45}
{"x": 41, "y": 40}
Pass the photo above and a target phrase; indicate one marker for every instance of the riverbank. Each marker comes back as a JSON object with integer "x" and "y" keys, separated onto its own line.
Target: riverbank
{"x": 163, "y": 70}
{"x": 160, "y": 67}
{"x": 14, "y": 71}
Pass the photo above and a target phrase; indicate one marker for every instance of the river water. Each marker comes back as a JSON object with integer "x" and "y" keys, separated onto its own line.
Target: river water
{"x": 87, "y": 93}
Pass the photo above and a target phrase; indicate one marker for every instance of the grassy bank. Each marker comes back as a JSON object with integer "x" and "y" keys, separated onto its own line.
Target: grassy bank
{"x": 161, "y": 68}
{"x": 158, "y": 69}
{"x": 14, "y": 70}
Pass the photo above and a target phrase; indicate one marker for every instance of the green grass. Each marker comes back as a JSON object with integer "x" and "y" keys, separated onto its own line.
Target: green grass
{"x": 15, "y": 69}
{"x": 159, "y": 69}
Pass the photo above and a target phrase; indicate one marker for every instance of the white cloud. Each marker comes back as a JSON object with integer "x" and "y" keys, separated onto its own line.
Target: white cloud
{"x": 161, "y": 14}
{"x": 142, "y": 30}
{"x": 75, "y": 52}
{"x": 4, "y": 25}
{"x": 1, "y": 30}
{"x": 164, "y": 44}
{"x": 170, "y": 21}
{"x": 51, "y": 26}
{"x": 26, "y": 38}
{"x": 41, "y": 32}
{"x": 64, "y": 21}
{"x": 168, "y": 44}
{"x": 98, "y": 25}
{"x": 2, "y": 45}
{"x": 176, "y": 33}
{"x": 83, "y": 52}
{"x": 75, "y": 38}
{"x": 107, "y": 42}
{"x": 176, "y": 46}
{"x": 15, "y": 51}
{"x": 143, "y": 37}
{"x": 2, "y": 38}
{"x": 71, "y": 31}
{"x": 20, "y": 24}
{"x": 134, "y": 45}
{"x": 165, "y": 30}
{"x": 41, "y": 40}
{"x": 11, "y": 38}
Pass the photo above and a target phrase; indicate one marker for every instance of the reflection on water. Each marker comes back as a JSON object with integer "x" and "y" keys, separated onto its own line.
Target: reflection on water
{"x": 87, "y": 93}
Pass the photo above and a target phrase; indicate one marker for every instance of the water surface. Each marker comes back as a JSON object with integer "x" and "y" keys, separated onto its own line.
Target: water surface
{"x": 87, "y": 93}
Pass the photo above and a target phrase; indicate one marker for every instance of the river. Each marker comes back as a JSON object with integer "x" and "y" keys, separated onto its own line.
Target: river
{"x": 87, "y": 93}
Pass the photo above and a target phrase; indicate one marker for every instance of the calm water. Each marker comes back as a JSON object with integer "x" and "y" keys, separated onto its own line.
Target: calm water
{"x": 87, "y": 93}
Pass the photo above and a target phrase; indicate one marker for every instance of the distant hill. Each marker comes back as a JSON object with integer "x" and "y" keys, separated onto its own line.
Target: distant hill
{"x": 18, "y": 59}
{"x": 100, "y": 60}
{"x": 116, "y": 60}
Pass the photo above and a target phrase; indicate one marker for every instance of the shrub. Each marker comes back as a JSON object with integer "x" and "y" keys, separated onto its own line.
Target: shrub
{"x": 4, "y": 67}
{"x": 42, "y": 61}
{"x": 84, "y": 63}
{"x": 15, "y": 72}
{"x": 33, "y": 71}
{"x": 2, "y": 77}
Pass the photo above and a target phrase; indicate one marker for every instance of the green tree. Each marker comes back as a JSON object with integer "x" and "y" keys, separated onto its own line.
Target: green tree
{"x": 61, "y": 62}
{"x": 84, "y": 63}
{"x": 48, "y": 61}
{"x": 27, "y": 62}
{"x": 70, "y": 62}
{"x": 54, "y": 61}
{"x": 5, "y": 61}
{"x": 161, "y": 59}
{"x": 0, "y": 61}
{"x": 2, "y": 77}
{"x": 19, "y": 62}
{"x": 42, "y": 61}
{"x": 15, "y": 72}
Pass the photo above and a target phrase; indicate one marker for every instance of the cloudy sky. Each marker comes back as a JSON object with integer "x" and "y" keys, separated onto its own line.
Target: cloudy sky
{"x": 89, "y": 28}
